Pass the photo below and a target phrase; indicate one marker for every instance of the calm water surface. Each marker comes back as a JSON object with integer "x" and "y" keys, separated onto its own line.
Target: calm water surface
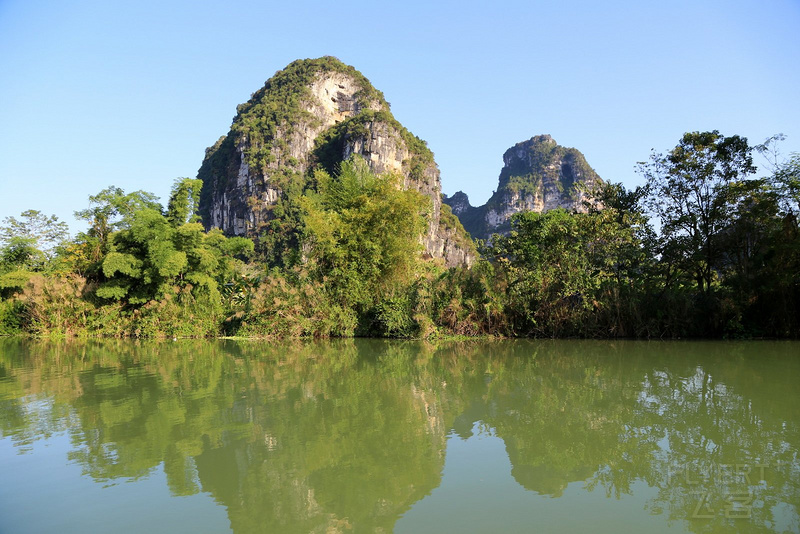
{"x": 375, "y": 436}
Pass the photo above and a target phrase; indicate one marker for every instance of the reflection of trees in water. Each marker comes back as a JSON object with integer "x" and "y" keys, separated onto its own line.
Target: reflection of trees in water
{"x": 666, "y": 414}
{"x": 669, "y": 415}
{"x": 723, "y": 417}
{"x": 342, "y": 445}
{"x": 563, "y": 416}
{"x": 313, "y": 436}
{"x": 292, "y": 438}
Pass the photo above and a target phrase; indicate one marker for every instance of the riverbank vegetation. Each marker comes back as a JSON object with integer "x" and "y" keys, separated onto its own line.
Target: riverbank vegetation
{"x": 708, "y": 247}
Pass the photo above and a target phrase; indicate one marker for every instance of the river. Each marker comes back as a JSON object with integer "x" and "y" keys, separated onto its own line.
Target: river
{"x": 399, "y": 436}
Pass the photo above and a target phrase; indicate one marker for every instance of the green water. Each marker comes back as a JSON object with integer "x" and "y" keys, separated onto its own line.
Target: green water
{"x": 376, "y": 436}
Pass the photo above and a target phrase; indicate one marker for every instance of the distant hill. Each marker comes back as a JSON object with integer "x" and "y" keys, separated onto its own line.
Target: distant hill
{"x": 537, "y": 175}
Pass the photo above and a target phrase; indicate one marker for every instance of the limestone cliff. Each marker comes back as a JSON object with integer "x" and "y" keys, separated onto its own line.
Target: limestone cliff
{"x": 537, "y": 175}
{"x": 315, "y": 114}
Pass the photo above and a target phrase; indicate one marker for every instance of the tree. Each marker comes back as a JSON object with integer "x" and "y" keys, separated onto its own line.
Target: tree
{"x": 549, "y": 271}
{"x": 363, "y": 234}
{"x": 37, "y": 230}
{"x": 184, "y": 201}
{"x": 28, "y": 245}
{"x": 692, "y": 191}
{"x": 109, "y": 211}
{"x": 786, "y": 181}
{"x": 152, "y": 257}
{"x": 762, "y": 247}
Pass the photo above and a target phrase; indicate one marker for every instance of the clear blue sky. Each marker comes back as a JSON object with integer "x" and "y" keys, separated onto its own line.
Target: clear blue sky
{"x": 95, "y": 93}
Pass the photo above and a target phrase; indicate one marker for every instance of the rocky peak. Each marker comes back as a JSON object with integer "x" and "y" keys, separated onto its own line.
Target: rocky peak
{"x": 524, "y": 154}
{"x": 537, "y": 175}
{"x": 334, "y": 97}
{"x": 316, "y": 113}
{"x": 459, "y": 203}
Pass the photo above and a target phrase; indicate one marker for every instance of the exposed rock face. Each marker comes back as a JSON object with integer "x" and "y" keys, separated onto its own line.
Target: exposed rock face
{"x": 459, "y": 203}
{"x": 317, "y": 113}
{"x": 538, "y": 175}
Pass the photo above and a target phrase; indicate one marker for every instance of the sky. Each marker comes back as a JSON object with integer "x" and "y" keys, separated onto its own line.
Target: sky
{"x": 99, "y": 93}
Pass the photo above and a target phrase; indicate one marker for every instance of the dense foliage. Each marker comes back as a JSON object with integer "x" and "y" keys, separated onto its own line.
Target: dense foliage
{"x": 341, "y": 255}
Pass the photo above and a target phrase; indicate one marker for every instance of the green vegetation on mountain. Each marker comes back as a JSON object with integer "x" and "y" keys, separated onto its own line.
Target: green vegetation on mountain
{"x": 451, "y": 224}
{"x": 308, "y": 117}
{"x": 330, "y": 144}
{"x": 264, "y": 122}
{"x": 279, "y": 105}
{"x": 523, "y": 179}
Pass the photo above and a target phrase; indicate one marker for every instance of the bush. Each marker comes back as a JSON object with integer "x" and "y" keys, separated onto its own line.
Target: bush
{"x": 56, "y": 305}
{"x": 11, "y": 317}
{"x": 280, "y": 307}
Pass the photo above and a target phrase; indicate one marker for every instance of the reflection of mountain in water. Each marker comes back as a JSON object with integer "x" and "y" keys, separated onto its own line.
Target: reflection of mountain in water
{"x": 349, "y": 435}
